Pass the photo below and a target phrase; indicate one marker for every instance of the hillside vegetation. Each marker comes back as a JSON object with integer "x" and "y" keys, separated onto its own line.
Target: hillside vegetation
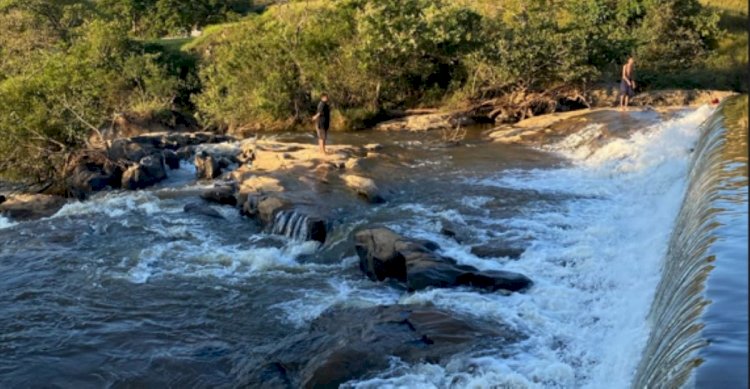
{"x": 70, "y": 68}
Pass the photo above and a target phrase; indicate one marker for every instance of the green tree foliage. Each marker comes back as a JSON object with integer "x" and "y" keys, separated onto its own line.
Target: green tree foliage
{"x": 155, "y": 18}
{"x": 70, "y": 91}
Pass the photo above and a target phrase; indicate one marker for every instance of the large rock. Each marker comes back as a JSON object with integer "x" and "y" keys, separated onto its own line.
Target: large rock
{"x": 149, "y": 171}
{"x": 206, "y": 166}
{"x": 345, "y": 344}
{"x": 365, "y": 187}
{"x": 384, "y": 254}
{"x": 171, "y": 159}
{"x": 91, "y": 172}
{"x": 30, "y": 207}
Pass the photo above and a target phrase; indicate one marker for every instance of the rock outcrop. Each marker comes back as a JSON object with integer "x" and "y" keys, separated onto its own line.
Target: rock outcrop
{"x": 149, "y": 171}
{"x": 30, "y": 206}
{"x": 383, "y": 254}
{"x": 344, "y": 344}
{"x": 91, "y": 171}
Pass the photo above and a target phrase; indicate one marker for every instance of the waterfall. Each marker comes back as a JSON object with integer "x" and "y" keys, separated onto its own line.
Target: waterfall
{"x": 676, "y": 316}
{"x": 298, "y": 226}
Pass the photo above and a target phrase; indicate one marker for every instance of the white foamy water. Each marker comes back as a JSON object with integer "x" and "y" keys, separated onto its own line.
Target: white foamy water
{"x": 595, "y": 262}
{"x": 6, "y": 223}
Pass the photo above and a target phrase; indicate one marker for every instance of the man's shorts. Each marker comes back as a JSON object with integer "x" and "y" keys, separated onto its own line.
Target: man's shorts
{"x": 625, "y": 89}
{"x": 322, "y": 133}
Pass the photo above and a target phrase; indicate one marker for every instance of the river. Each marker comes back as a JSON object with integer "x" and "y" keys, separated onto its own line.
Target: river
{"x": 127, "y": 290}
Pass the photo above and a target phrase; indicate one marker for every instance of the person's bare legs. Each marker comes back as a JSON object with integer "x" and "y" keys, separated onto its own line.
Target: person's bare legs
{"x": 627, "y": 101}
{"x": 322, "y": 146}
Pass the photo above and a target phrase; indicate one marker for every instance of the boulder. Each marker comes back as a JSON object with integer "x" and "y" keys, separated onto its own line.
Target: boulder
{"x": 186, "y": 153}
{"x": 206, "y": 166}
{"x": 171, "y": 159}
{"x": 221, "y": 194}
{"x": 30, "y": 206}
{"x": 364, "y": 187}
{"x": 384, "y": 254}
{"x": 90, "y": 172}
{"x": 132, "y": 150}
{"x": 345, "y": 344}
{"x": 149, "y": 171}
{"x": 268, "y": 206}
{"x": 202, "y": 209}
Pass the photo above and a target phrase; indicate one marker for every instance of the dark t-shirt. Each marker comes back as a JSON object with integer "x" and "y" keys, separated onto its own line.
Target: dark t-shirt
{"x": 324, "y": 120}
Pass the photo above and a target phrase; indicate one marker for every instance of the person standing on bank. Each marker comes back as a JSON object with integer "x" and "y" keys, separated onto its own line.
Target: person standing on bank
{"x": 627, "y": 85}
{"x": 323, "y": 121}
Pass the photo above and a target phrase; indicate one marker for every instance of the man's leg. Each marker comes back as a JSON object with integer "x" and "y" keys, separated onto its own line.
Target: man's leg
{"x": 627, "y": 100}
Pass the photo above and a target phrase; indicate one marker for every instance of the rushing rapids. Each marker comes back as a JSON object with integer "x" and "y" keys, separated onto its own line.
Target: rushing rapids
{"x": 619, "y": 220}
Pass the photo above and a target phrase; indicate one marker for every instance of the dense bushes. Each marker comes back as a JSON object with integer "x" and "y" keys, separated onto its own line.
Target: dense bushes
{"x": 372, "y": 55}
{"x": 67, "y": 66}
{"x": 54, "y": 96}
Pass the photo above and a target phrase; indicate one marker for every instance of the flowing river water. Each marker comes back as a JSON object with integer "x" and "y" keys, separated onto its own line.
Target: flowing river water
{"x": 633, "y": 229}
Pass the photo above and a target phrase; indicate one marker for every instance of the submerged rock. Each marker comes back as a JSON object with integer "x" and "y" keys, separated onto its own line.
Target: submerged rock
{"x": 493, "y": 251}
{"x": 384, "y": 254}
{"x": 344, "y": 344}
{"x": 202, "y": 209}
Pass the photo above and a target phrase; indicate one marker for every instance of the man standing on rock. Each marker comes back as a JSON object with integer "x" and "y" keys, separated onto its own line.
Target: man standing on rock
{"x": 323, "y": 121}
{"x": 627, "y": 85}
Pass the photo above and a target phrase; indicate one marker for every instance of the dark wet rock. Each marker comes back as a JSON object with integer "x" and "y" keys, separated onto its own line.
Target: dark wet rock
{"x": 130, "y": 150}
{"x": 384, "y": 254}
{"x": 31, "y": 207}
{"x": 171, "y": 159}
{"x": 149, "y": 171}
{"x": 454, "y": 231}
{"x": 90, "y": 172}
{"x": 2, "y": 199}
{"x": 202, "y": 209}
{"x": 206, "y": 166}
{"x": 221, "y": 194}
{"x": 345, "y": 344}
{"x": 492, "y": 251}
{"x": 186, "y": 153}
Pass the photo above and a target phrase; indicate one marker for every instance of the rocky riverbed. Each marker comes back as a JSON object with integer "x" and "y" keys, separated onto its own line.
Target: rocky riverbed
{"x": 400, "y": 257}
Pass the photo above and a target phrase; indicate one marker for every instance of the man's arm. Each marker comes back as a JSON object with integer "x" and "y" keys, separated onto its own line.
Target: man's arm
{"x": 320, "y": 110}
